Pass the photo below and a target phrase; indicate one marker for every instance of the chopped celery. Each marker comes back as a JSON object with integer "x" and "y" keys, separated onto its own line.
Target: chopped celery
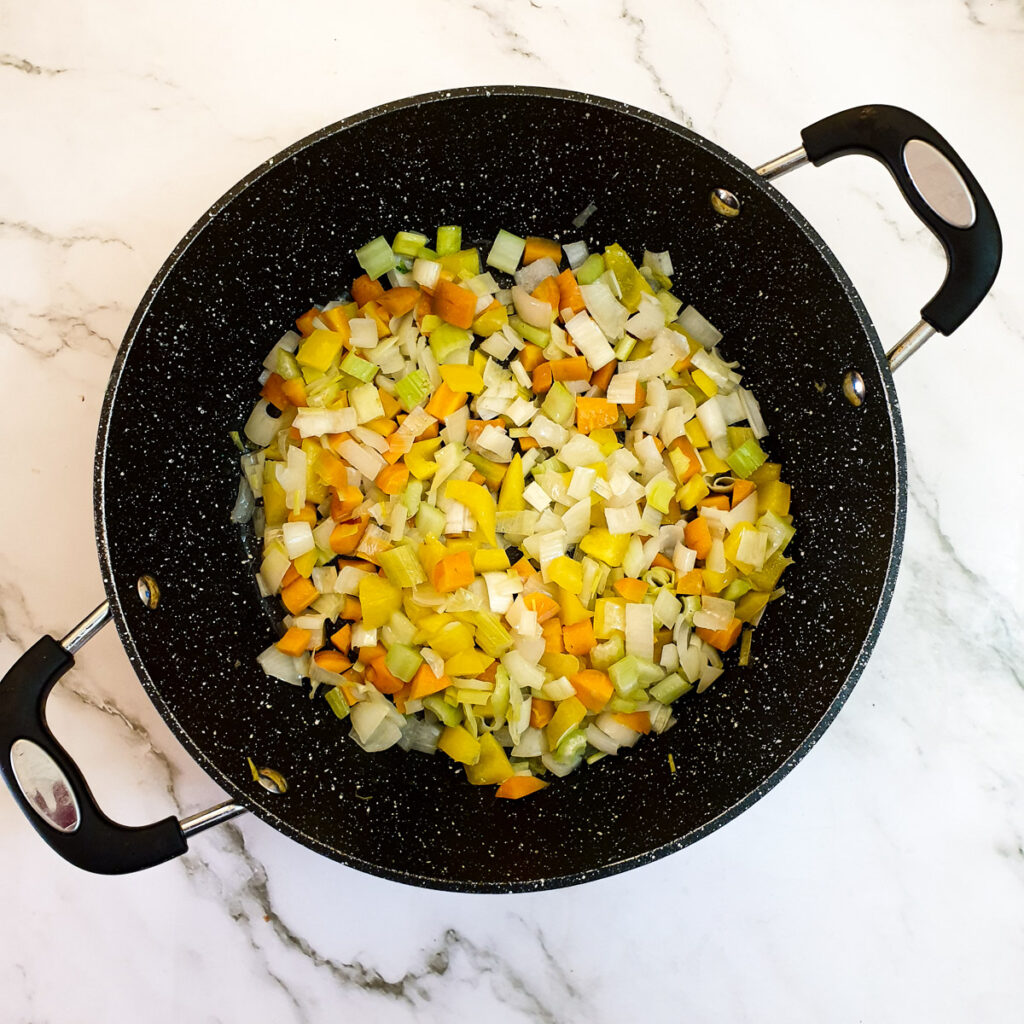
{"x": 735, "y": 590}
{"x": 376, "y": 257}
{"x": 443, "y": 710}
{"x": 560, "y": 404}
{"x": 412, "y": 495}
{"x": 449, "y": 240}
{"x": 745, "y": 459}
{"x": 591, "y": 269}
{"x": 403, "y": 661}
{"x": 402, "y": 566}
{"x": 287, "y": 365}
{"x": 572, "y": 745}
{"x": 359, "y": 368}
{"x": 446, "y": 340}
{"x": 745, "y": 640}
{"x": 534, "y": 335}
{"x": 506, "y": 252}
{"x": 604, "y": 655}
{"x": 670, "y": 688}
{"x": 412, "y": 389}
{"x": 625, "y": 675}
{"x": 336, "y": 699}
{"x": 491, "y": 635}
{"x": 430, "y": 520}
{"x": 408, "y": 243}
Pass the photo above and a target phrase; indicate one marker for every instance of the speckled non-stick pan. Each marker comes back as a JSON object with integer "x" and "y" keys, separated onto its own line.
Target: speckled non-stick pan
{"x": 528, "y": 160}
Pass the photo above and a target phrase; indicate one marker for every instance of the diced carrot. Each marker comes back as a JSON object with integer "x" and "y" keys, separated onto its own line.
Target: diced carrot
{"x": 370, "y": 653}
{"x": 552, "y": 633}
{"x": 741, "y": 489}
{"x": 294, "y": 642}
{"x": 454, "y": 304}
{"x": 344, "y": 500}
{"x": 542, "y": 378}
{"x": 541, "y": 711}
{"x": 352, "y": 695}
{"x": 305, "y": 322}
{"x": 392, "y": 479}
{"x": 377, "y": 672}
{"x": 332, "y": 661}
{"x": 574, "y": 368}
{"x": 518, "y": 786}
{"x": 579, "y": 637}
{"x": 547, "y": 291}
{"x": 693, "y": 460}
{"x": 274, "y": 393}
{"x": 569, "y": 294}
{"x": 306, "y": 514}
{"x": 345, "y": 537}
{"x": 351, "y": 609}
{"x": 424, "y": 683}
{"x": 381, "y": 425}
{"x": 295, "y": 390}
{"x": 546, "y": 607}
{"x": 336, "y": 320}
{"x": 444, "y": 401}
{"x": 531, "y": 356}
{"x": 431, "y": 431}
{"x": 594, "y": 413}
{"x": 402, "y": 696}
{"x": 722, "y": 639}
{"x": 398, "y": 301}
{"x": 526, "y": 443}
{"x": 342, "y": 638}
{"x": 290, "y": 576}
{"x": 662, "y": 562}
{"x": 453, "y": 571}
{"x": 478, "y": 478}
{"x": 333, "y": 440}
{"x": 524, "y": 568}
{"x": 489, "y": 674}
{"x": 424, "y": 306}
{"x": 537, "y": 248}
{"x": 294, "y": 435}
{"x": 593, "y": 688}
{"x": 603, "y": 377}
{"x": 638, "y": 721}
{"x": 631, "y": 589}
{"x": 719, "y": 501}
{"x": 632, "y": 408}
{"x": 299, "y": 595}
{"x": 364, "y": 290}
{"x": 658, "y": 443}
{"x": 697, "y": 535}
{"x": 690, "y": 583}
{"x": 332, "y": 471}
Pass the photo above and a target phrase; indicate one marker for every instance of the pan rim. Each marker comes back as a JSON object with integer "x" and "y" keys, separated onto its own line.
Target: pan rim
{"x": 266, "y": 811}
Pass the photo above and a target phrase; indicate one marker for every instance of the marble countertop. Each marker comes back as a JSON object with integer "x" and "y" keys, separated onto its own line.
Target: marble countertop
{"x": 883, "y": 880}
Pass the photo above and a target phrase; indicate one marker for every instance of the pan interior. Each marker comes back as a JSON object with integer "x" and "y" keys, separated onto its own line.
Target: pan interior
{"x": 529, "y": 161}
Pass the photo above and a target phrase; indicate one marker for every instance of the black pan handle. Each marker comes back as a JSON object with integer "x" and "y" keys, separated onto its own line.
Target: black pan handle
{"x": 940, "y": 189}
{"x": 47, "y": 784}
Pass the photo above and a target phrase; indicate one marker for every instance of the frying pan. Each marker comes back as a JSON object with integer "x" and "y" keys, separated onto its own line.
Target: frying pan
{"x": 528, "y": 160}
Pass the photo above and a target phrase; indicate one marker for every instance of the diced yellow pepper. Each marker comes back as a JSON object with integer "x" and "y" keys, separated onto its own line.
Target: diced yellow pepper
{"x": 467, "y": 663}
{"x": 571, "y": 608}
{"x": 304, "y": 563}
{"x": 379, "y": 600}
{"x": 773, "y": 496}
{"x": 430, "y": 324}
{"x": 490, "y": 320}
{"x": 705, "y": 383}
{"x": 420, "y": 458}
{"x": 712, "y": 463}
{"x": 492, "y": 768}
{"x": 605, "y": 439}
{"x": 316, "y": 489}
{"x": 274, "y": 508}
{"x": 610, "y": 548}
{"x": 459, "y": 745}
{"x": 567, "y": 573}
{"x": 510, "y": 497}
{"x": 319, "y": 350}
{"x": 462, "y": 378}
{"x": 382, "y": 426}
{"x": 631, "y": 282}
{"x": 716, "y": 582}
{"x": 430, "y": 552}
{"x": 695, "y": 433}
{"x": 431, "y": 625}
{"x": 475, "y": 697}
{"x": 490, "y": 560}
{"x": 691, "y": 492}
{"x": 560, "y": 664}
{"x": 455, "y": 637}
{"x": 569, "y": 713}
{"x": 680, "y": 464}
{"x": 732, "y": 543}
{"x": 765, "y": 472}
{"x": 609, "y": 616}
{"x": 748, "y": 606}
{"x": 479, "y": 501}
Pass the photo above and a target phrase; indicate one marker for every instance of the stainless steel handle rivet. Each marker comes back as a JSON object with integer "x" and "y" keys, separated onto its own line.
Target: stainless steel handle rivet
{"x": 854, "y": 388}
{"x": 149, "y": 591}
{"x": 725, "y": 203}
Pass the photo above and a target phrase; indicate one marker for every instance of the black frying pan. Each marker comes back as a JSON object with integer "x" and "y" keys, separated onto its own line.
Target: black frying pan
{"x": 528, "y": 160}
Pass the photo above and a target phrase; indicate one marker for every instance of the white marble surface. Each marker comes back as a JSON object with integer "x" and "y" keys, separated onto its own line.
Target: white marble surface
{"x": 882, "y": 881}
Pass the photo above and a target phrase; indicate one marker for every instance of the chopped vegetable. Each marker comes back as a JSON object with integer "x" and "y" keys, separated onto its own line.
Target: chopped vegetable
{"x": 510, "y": 516}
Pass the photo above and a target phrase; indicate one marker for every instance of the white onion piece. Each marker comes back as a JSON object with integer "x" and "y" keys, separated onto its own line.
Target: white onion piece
{"x": 426, "y": 273}
{"x": 576, "y": 253}
{"x": 261, "y": 428}
{"x": 621, "y": 734}
{"x": 245, "y": 503}
{"x": 698, "y": 328}
{"x": 279, "y": 665}
{"x": 314, "y": 422}
{"x": 533, "y": 311}
{"x": 753, "y": 410}
{"x": 648, "y": 319}
{"x": 660, "y": 262}
{"x": 609, "y": 314}
{"x": 588, "y": 337}
{"x": 298, "y": 539}
{"x": 640, "y": 630}
{"x": 601, "y": 740}
{"x": 715, "y": 613}
{"x": 531, "y": 275}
